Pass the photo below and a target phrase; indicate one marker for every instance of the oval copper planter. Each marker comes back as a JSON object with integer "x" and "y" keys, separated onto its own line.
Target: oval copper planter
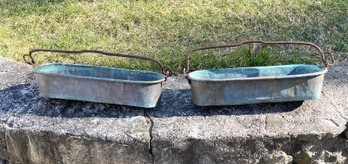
{"x": 250, "y": 85}
{"x": 100, "y": 84}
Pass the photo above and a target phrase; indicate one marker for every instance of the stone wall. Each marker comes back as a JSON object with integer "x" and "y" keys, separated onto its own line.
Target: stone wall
{"x": 38, "y": 130}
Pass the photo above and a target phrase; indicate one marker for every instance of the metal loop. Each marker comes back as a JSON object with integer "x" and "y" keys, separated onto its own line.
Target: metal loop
{"x": 321, "y": 53}
{"x": 33, "y": 62}
{"x": 167, "y": 71}
{"x": 332, "y": 58}
{"x": 25, "y": 59}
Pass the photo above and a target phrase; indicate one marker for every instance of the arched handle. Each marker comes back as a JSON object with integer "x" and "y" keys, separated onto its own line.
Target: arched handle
{"x": 321, "y": 53}
{"x": 164, "y": 69}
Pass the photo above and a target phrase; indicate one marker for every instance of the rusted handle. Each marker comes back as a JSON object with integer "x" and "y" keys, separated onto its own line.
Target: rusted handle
{"x": 165, "y": 70}
{"x": 332, "y": 58}
{"x": 326, "y": 63}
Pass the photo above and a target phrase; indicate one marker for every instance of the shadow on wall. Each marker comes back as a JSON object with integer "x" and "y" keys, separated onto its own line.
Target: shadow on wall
{"x": 25, "y": 99}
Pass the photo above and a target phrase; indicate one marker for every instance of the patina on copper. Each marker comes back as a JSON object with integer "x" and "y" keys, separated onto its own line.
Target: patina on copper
{"x": 99, "y": 84}
{"x": 250, "y": 85}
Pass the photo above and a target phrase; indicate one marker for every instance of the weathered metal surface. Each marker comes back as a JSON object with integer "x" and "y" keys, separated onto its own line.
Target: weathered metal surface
{"x": 100, "y": 84}
{"x": 258, "y": 43}
{"x": 165, "y": 70}
{"x": 237, "y": 86}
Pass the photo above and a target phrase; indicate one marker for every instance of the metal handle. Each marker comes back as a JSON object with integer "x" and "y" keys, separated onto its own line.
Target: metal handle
{"x": 165, "y": 70}
{"x": 325, "y": 62}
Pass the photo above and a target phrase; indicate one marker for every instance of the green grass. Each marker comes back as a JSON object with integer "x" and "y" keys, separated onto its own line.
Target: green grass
{"x": 166, "y": 30}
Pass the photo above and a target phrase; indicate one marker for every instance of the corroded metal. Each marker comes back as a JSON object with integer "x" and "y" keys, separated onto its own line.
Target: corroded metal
{"x": 100, "y": 84}
{"x": 165, "y": 70}
{"x": 321, "y": 53}
{"x": 250, "y": 85}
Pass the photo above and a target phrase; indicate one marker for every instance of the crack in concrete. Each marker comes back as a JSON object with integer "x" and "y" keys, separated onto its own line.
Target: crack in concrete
{"x": 266, "y": 123}
{"x": 5, "y": 122}
{"x": 6, "y": 149}
{"x": 334, "y": 122}
{"x": 344, "y": 117}
{"x": 10, "y": 155}
{"x": 292, "y": 152}
{"x": 240, "y": 123}
{"x": 149, "y": 119}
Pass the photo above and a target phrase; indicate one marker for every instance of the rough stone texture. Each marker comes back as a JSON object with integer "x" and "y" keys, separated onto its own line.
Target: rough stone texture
{"x": 3, "y": 161}
{"x": 308, "y": 131}
{"x": 3, "y": 151}
{"x": 45, "y": 147}
{"x": 13, "y": 73}
{"x": 38, "y": 130}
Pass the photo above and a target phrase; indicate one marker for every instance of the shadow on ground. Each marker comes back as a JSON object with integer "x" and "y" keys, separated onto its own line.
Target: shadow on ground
{"x": 25, "y": 99}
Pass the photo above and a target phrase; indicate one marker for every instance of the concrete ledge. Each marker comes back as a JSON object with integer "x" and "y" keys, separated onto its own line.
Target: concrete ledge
{"x": 38, "y": 130}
